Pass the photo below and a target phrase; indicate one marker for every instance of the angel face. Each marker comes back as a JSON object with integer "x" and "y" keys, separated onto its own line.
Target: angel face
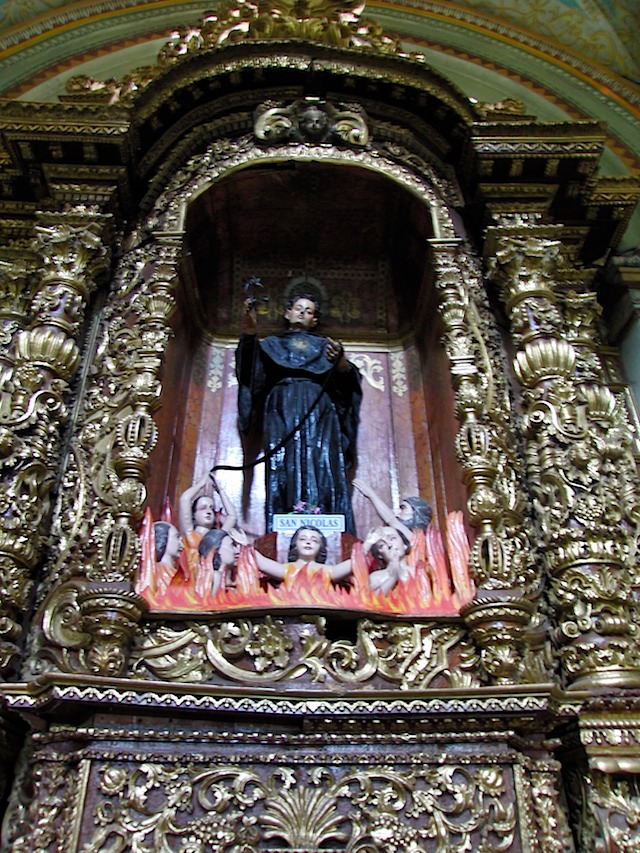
{"x": 391, "y": 546}
{"x": 174, "y": 544}
{"x": 405, "y": 511}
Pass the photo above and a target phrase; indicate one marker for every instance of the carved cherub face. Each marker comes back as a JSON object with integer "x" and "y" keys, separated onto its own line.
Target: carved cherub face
{"x": 405, "y": 511}
{"x": 229, "y": 550}
{"x": 301, "y": 315}
{"x": 313, "y": 123}
{"x": 391, "y": 546}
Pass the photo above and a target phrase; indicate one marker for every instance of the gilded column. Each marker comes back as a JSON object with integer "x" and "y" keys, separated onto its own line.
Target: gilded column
{"x": 109, "y": 607}
{"x": 43, "y": 356}
{"x": 580, "y": 464}
{"x": 16, "y": 289}
{"x": 501, "y": 612}
{"x": 92, "y": 611}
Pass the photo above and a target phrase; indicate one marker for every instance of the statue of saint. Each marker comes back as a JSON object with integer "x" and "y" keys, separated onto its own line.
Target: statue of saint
{"x": 309, "y": 397}
{"x": 307, "y": 553}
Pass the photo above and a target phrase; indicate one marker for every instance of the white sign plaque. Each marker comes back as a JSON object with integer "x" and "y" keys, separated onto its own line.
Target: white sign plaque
{"x": 290, "y": 522}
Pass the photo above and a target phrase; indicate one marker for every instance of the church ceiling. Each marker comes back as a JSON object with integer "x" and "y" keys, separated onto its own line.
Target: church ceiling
{"x": 562, "y": 59}
{"x": 598, "y": 30}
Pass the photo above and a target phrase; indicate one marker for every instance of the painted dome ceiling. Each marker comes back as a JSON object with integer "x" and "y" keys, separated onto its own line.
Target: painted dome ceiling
{"x": 600, "y": 31}
{"x": 558, "y": 59}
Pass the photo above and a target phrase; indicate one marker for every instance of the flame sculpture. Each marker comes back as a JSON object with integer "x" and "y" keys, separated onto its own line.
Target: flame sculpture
{"x": 439, "y": 585}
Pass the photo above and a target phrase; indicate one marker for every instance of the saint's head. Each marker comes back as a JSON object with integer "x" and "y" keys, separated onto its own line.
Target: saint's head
{"x": 302, "y": 312}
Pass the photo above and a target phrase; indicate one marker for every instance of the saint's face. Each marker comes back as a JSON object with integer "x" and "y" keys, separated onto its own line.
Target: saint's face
{"x": 229, "y": 550}
{"x": 301, "y": 315}
{"x": 203, "y": 514}
{"x": 308, "y": 544}
{"x": 174, "y": 544}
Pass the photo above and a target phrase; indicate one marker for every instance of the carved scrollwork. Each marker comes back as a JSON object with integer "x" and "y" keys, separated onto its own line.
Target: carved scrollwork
{"x": 551, "y": 826}
{"x": 337, "y": 24}
{"x": 44, "y": 356}
{"x": 39, "y": 823}
{"x": 500, "y": 557}
{"x": 490, "y": 465}
{"x": 361, "y": 809}
{"x": 18, "y": 283}
{"x": 94, "y": 520}
{"x": 93, "y": 533}
{"x": 499, "y": 625}
{"x": 117, "y": 433}
{"x": 61, "y": 623}
{"x": 615, "y": 803}
{"x": 87, "y": 627}
{"x": 251, "y": 651}
{"x": 371, "y": 369}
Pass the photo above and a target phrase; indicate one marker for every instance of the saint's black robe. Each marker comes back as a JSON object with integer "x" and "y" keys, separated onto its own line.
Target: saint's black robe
{"x": 288, "y": 379}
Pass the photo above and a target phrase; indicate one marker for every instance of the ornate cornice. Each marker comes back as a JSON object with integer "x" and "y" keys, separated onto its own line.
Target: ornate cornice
{"x": 51, "y": 694}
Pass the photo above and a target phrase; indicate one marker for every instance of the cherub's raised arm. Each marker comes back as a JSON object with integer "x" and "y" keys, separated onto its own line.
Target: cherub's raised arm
{"x": 268, "y": 566}
{"x": 340, "y": 570}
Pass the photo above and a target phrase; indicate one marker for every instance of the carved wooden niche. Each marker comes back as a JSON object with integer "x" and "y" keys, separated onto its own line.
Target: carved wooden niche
{"x": 359, "y": 240}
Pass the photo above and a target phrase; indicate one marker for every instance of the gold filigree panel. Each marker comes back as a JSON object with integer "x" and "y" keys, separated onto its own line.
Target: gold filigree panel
{"x": 272, "y": 792}
{"x": 292, "y": 652}
{"x": 297, "y": 652}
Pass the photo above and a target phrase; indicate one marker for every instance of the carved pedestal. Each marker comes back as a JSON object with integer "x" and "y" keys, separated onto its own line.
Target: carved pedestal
{"x": 306, "y": 781}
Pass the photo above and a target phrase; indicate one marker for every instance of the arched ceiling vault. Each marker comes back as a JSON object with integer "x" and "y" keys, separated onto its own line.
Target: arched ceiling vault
{"x": 577, "y": 53}
{"x": 563, "y": 59}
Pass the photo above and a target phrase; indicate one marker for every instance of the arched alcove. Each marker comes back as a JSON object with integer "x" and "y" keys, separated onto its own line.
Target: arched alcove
{"x": 360, "y": 241}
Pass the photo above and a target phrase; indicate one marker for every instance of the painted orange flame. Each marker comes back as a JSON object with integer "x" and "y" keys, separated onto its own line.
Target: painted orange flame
{"x": 429, "y": 592}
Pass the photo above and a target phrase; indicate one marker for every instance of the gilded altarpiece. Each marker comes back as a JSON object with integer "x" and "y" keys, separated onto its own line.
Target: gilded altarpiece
{"x": 311, "y": 729}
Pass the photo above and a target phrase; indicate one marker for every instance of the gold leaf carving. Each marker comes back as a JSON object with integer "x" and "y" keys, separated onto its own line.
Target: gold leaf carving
{"x": 360, "y": 808}
{"x": 252, "y": 651}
